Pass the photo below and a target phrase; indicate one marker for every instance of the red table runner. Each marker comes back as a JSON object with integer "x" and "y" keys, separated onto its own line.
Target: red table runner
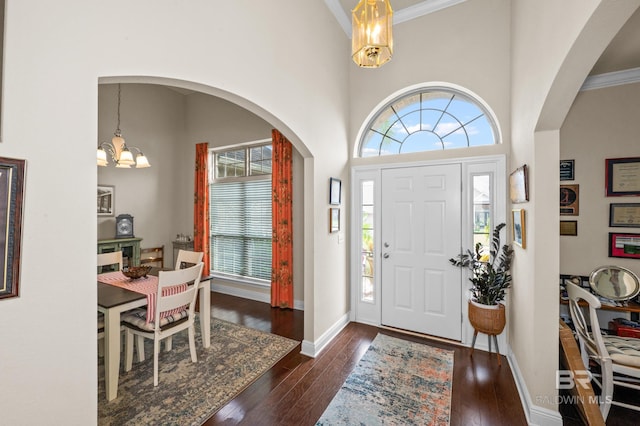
{"x": 147, "y": 286}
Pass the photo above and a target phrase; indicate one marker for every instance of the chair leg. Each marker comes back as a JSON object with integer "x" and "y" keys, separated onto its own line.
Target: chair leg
{"x": 192, "y": 343}
{"x": 101, "y": 346}
{"x": 606, "y": 395}
{"x": 128, "y": 350}
{"x": 156, "y": 351}
{"x": 168, "y": 343}
{"x": 140, "y": 347}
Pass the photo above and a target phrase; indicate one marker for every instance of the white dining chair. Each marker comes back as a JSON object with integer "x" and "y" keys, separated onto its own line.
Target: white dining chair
{"x": 111, "y": 258}
{"x": 188, "y": 258}
{"x": 618, "y": 357}
{"x": 106, "y": 259}
{"x": 174, "y": 312}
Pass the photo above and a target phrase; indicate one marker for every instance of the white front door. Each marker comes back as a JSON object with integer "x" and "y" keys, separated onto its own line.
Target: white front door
{"x": 421, "y": 230}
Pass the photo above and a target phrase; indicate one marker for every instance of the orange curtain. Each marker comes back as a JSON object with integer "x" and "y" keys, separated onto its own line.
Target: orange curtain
{"x": 281, "y": 212}
{"x": 201, "y": 229}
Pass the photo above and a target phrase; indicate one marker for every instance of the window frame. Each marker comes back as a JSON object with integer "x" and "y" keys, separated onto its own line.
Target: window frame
{"x": 246, "y": 146}
{"x": 213, "y": 179}
{"x": 397, "y": 97}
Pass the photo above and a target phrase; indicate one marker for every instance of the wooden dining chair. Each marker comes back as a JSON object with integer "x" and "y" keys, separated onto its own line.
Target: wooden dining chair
{"x": 188, "y": 258}
{"x": 174, "y": 311}
{"x": 153, "y": 255}
{"x": 113, "y": 259}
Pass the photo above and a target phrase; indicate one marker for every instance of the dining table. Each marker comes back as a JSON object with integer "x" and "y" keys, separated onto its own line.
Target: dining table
{"x": 114, "y": 300}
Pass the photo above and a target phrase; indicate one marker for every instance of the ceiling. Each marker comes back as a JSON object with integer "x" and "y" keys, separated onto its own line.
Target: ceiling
{"x": 623, "y": 53}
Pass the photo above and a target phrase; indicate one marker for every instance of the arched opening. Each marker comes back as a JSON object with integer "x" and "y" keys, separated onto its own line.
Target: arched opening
{"x": 185, "y": 114}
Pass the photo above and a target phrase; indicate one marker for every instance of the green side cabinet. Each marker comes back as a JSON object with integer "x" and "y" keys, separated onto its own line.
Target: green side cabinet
{"x": 130, "y": 248}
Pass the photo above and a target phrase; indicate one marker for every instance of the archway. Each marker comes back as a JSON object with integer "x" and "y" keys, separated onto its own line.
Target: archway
{"x": 307, "y": 157}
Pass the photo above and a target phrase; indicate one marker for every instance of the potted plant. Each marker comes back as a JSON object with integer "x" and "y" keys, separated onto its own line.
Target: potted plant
{"x": 489, "y": 281}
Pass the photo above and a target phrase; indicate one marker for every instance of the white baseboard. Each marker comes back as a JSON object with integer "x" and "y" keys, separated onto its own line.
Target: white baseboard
{"x": 536, "y": 415}
{"x": 249, "y": 294}
{"x": 313, "y": 349}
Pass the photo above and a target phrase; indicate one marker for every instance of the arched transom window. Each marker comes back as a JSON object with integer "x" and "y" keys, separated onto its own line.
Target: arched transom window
{"x": 427, "y": 120}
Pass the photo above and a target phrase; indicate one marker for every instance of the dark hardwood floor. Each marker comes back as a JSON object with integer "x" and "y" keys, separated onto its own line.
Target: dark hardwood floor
{"x": 297, "y": 389}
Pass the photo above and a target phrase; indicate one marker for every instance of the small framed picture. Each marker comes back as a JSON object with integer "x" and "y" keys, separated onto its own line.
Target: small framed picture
{"x": 519, "y": 185}
{"x": 335, "y": 191}
{"x": 519, "y": 227}
{"x": 569, "y": 200}
{"x": 569, "y": 227}
{"x": 622, "y": 176}
{"x": 624, "y": 215}
{"x": 334, "y": 219}
{"x": 106, "y": 200}
{"x": 624, "y": 245}
{"x": 567, "y": 169}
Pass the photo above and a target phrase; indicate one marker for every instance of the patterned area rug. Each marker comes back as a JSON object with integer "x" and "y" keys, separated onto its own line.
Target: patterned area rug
{"x": 396, "y": 382}
{"x": 189, "y": 393}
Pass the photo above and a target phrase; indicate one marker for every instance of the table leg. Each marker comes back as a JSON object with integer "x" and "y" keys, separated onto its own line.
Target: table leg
{"x": 111, "y": 353}
{"x": 205, "y": 313}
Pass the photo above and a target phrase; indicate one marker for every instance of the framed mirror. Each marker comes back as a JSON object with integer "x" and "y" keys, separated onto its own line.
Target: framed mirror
{"x": 614, "y": 282}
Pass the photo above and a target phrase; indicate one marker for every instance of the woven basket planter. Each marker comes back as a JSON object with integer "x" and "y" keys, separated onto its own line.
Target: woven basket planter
{"x": 487, "y": 319}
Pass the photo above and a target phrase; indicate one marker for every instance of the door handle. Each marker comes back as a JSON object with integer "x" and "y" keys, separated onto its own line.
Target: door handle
{"x": 386, "y": 255}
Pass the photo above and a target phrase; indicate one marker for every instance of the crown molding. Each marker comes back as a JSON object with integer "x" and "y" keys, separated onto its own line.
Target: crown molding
{"x": 399, "y": 16}
{"x": 341, "y": 16}
{"x": 421, "y": 9}
{"x": 610, "y": 79}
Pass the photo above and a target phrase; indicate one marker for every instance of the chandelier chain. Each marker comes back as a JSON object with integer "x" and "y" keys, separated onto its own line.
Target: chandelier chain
{"x": 118, "y": 133}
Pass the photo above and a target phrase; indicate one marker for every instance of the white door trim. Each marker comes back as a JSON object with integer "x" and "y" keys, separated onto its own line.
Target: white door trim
{"x": 370, "y": 313}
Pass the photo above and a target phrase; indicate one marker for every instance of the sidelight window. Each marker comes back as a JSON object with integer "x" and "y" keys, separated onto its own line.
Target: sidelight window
{"x": 367, "y": 292}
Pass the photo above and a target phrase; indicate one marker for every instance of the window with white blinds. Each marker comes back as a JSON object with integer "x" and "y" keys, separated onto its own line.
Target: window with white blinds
{"x": 240, "y": 219}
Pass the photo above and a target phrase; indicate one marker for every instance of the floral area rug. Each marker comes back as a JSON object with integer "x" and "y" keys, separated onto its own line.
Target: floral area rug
{"x": 396, "y": 382}
{"x": 189, "y": 393}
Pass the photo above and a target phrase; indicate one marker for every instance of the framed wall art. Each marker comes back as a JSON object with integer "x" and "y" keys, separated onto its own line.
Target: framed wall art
{"x": 569, "y": 227}
{"x": 335, "y": 191}
{"x": 569, "y": 200}
{"x": 567, "y": 169}
{"x": 622, "y": 176}
{"x": 519, "y": 185}
{"x": 106, "y": 200}
{"x": 519, "y": 227}
{"x": 624, "y": 245}
{"x": 334, "y": 219}
{"x": 11, "y": 200}
{"x": 625, "y": 215}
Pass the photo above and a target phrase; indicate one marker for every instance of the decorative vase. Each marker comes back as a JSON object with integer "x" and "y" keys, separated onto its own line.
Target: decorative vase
{"x": 487, "y": 319}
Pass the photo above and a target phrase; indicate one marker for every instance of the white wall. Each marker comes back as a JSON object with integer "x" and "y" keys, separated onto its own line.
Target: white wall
{"x": 152, "y": 119}
{"x": 55, "y": 55}
{"x": 466, "y": 45}
{"x": 601, "y": 124}
{"x": 555, "y": 44}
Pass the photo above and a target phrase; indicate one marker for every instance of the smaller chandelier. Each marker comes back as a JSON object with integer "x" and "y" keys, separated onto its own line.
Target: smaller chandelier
{"x": 372, "y": 38}
{"x": 118, "y": 150}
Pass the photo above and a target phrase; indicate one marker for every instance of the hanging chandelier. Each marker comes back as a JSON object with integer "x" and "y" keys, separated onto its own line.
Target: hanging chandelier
{"x": 372, "y": 38}
{"x": 118, "y": 150}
